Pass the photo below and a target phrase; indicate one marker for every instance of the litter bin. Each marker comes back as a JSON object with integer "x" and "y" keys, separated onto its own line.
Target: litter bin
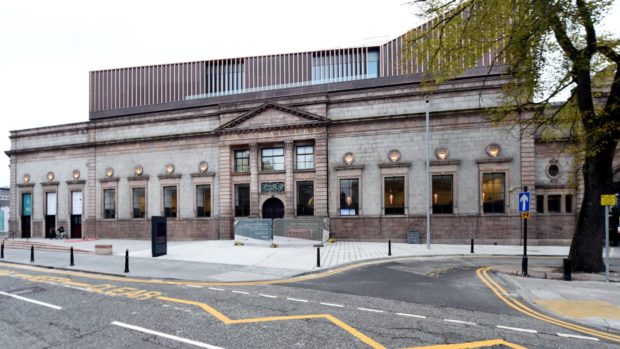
{"x": 413, "y": 237}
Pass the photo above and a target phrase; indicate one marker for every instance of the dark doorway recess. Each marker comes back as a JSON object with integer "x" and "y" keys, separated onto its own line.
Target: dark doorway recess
{"x": 273, "y": 208}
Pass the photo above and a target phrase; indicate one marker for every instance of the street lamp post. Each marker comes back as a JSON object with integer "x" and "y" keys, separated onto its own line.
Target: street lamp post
{"x": 428, "y": 197}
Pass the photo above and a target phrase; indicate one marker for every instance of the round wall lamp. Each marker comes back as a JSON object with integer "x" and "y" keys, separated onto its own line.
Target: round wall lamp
{"x": 138, "y": 170}
{"x": 109, "y": 172}
{"x": 203, "y": 167}
{"x": 76, "y": 175}
{"x": 394, "y": 155}
{"x": 493, "y": 150}
{"x": 348, "y": 158}
{"x": 442, "y": 153}
{"x": 50, "y": 176}
{"x": 26, "y": 178}
{"x": 170, "y": 169}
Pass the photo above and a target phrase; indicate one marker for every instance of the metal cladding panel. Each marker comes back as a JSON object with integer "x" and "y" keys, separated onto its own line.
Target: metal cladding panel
{"x": 127, "y": 88}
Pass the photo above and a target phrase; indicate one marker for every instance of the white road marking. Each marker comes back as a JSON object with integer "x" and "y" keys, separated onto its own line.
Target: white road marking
{"x": 517, "y": 329}
{"x": 240, "y": 292}
{"x": 297, "y": 300}
{"x": 31, "y": 300}
{"x": 195, "y": 286}
{"x": 576, "y": 336}
{"x": 370, "y": 310}
{"x": 216, "y": 289}
{"x": 165, "y": 335}
{"x": 460, "y": 322}
{"x": 267, "y": 295}
{"x": 412, "y": 315}
{"x": 332, "y": 305}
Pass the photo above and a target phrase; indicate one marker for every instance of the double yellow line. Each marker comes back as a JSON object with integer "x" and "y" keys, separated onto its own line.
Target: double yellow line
{"x": 520, "y": 307}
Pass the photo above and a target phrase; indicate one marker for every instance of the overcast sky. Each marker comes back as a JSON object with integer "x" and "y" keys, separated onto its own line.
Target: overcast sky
{"x": 48, "y": 47}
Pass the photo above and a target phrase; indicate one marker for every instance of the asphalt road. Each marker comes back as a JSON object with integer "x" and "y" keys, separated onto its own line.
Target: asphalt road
{"x": 395, "y": 305}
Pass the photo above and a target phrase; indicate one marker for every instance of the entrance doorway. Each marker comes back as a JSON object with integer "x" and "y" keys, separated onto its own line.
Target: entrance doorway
{"x": 76, "y": 215}
{"x": 273, "y": 208}
{"x": 50, "y": 215}
{"x": 26, "y": 214}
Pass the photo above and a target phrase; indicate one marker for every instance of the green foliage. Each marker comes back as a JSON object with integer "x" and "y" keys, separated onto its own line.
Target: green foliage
{"x": 546, "y": 46}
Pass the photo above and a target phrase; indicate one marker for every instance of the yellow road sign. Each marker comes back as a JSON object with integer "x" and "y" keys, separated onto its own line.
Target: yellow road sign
{"x": 525, "y": 215}
{"x": 608, "y": 200}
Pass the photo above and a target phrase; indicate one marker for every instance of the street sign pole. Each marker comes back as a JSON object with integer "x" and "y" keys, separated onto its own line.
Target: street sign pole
{"x": 607, "y": 200}
{"x": 524, "y": 261}
{"x": 606, "y": 243}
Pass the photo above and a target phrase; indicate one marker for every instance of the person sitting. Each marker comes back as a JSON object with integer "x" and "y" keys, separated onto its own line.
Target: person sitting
{"x": 61, "y": 232}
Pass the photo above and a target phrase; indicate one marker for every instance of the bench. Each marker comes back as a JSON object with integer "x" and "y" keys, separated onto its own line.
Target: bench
{"x": 103, "y": 249}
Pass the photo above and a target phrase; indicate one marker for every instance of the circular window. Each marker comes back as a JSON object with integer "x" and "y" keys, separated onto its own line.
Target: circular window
{"x": 553, "y": 170}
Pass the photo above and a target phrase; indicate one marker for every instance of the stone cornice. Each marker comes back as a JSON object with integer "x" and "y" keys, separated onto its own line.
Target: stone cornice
{"x": 444, "y": 162}
{"x": 202, "y": 174}
{"x": 138, "y": 178}
{"x": 394, "y": 164}
{"x": 493, "y": 161}
{"x": 109, "y": 179}
{"x": 350, "y": 167}
{"x": 80, "y": 181}
{"x": 50, "y": 184}
{"x": 169, "y": 176}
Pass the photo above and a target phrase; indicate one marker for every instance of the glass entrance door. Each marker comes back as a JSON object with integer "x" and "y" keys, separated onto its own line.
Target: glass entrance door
{"x": 26, "y": 214}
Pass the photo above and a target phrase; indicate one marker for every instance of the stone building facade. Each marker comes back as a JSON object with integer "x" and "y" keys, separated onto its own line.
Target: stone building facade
{"x": 336, "y": 134}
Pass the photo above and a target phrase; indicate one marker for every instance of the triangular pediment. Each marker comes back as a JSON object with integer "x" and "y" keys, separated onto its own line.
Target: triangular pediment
{"x": 272, "y": 116}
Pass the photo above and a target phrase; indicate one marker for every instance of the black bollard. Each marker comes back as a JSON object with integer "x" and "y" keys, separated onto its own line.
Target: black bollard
{"x": 126, "y": 261}
{"x": 2, "y": 251}
{"x": 31, "y": 253}
{"x": 472, "y": 245}
{"x": 318, "y": 257}
{"x": 524, "y": 267}
{"x": 389, "y": 247}
{"x": 71, "y": 264}
{"x": 567, "y": 269}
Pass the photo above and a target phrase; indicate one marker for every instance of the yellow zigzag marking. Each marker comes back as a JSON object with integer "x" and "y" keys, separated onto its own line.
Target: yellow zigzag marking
{"x": 225, "y": 319}
{"x": 520, "y": 307}
{"x": 472, "y": 345}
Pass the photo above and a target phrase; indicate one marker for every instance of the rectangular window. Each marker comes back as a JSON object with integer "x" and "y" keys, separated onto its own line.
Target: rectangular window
{"x": 50, "y": 203}
{"x": 493, "y": 186}
{"x": 442, "y": 194}
{"x": 373, "y": 63}
{"x": 349, "y": 197}
{"x": 170, "y": 201}
{"x": 569, "y": 203}
{"x": 305, "y": 198}
{"x": 394, "y": 195}
{"x": 76, "y": 203}
{"x": 139, "y": 202}
{"x": 553, "y": 203}
{"x": 109, "y": 203}
{"x": 305, "y": 157}
{"x": 242, "y": 161}
{"x": 242, "y": 200}
{"x": 272, "y": 159}
{"x": 540, "y": 203}
{"x": 203, "y": 201}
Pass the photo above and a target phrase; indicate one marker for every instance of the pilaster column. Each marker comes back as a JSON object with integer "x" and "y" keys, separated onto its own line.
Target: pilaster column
{"x": 289, "y": 184}
{"x": 254, "y": 189}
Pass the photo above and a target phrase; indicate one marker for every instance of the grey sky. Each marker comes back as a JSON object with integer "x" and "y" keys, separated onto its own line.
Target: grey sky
{"x": 48, "y": 47}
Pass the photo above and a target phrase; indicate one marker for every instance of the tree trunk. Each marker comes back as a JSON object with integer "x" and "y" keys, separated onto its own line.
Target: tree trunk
{"x": 587, "y": 245}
